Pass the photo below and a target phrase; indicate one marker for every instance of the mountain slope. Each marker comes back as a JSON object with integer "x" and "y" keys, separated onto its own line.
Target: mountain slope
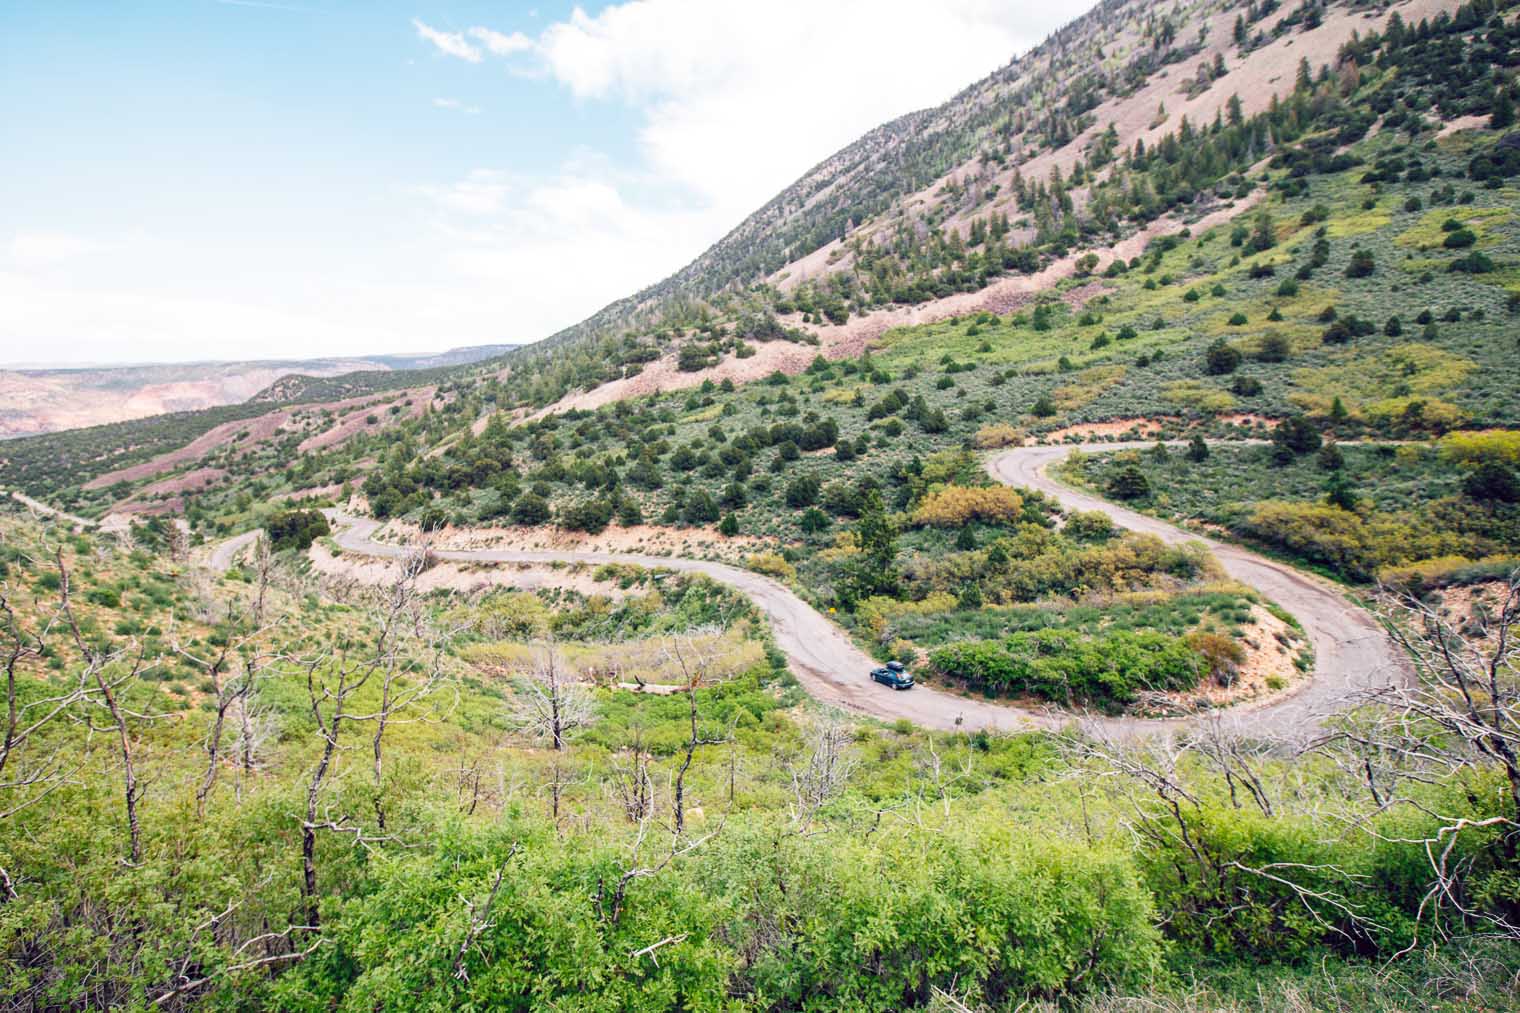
{"x": 1009, "y": 177}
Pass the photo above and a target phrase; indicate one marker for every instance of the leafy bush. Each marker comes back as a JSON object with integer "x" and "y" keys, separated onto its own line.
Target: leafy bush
{"x": 997, "y": 435}
{"x": 530, "y": 508}
{"x": 592, "y": 516}
{"x": 1319, "y": 532}
{"x": 955, "y": 505}
{"x": 1492, "y": 482}
{"x": 1221, "y": 358}
{"x": 296, "y": 529}
{"x": 1069, "y": 668}
{"x": 771, "y": 564}
{"x": 1221, "y": 652}
{"x": 802, "y": 491}
{"x": 1475, "y": 446}
{"x": 1090, "y": 525}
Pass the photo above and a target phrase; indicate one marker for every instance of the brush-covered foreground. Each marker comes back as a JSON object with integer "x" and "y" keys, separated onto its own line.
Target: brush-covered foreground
{"x": 263, "y": 791}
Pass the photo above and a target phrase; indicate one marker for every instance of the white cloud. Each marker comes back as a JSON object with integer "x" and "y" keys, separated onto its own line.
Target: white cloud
{"x": 458, "y": 44}
{"x": 737, "y": 100}
{"x": 502, "y": 45}
{"x": 42, "y": 249}
{"x": 456, "y": 105}
{"x": 482, "y": 192}
{"x": 62, "y": 321}
{"x": 451, "y": 43}
{"x": 550, "y": 251}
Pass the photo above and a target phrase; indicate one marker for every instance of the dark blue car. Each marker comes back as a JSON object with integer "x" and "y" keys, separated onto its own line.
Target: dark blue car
{"x": 893, "y": 675}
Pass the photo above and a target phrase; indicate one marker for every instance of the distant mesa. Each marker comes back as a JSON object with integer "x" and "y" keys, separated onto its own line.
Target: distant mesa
{"x": 34, "y": 401}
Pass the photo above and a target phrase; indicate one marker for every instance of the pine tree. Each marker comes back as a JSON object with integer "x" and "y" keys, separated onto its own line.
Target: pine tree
{"x": 1503, "y": 114}
{"x": 874, "y": 570}
{"x": 1263, "y": 236}
{"x": 1339, "y": 493}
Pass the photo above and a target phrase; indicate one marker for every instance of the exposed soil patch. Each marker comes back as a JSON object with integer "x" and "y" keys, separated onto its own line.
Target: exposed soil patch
{"x": 662, "y": 375}
{"x": 1248, "y": 420}
{"x": 190, "y": 481}
{"x": 353, "y": 415}
{"x": 1271, "y": 647}
{"x": 316, "y": 492}
{"x": 1112, "y": 429}
{"x": 1005, "y": 295}
{"x": 372, "y": 416}
{"x": 134, "y": 508}
{"x": 851, "y": 338}
{"x": 647, "y": 539}
{"x": 256, "y": 430}
{"x": 1461, "y": 606}
{"x": 463, "y": 577}
{"x": 1462, "y": 123}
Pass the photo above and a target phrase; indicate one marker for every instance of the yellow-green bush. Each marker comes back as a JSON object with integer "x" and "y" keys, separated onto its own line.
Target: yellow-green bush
{"x": 956, "y": 505}
{"x": 771, "y": 564}
{"x": 999, "y": 434}
{"x": 1482, "y": 445}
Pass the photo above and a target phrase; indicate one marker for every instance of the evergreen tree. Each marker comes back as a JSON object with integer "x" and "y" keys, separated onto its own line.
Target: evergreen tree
{"x": 1263, "y": 236}
{"x": 874, "y": 570}
{"x": 1129, "y": 482}
{"x": 1339, "y": 493}
{"x": 1503, "y": 114}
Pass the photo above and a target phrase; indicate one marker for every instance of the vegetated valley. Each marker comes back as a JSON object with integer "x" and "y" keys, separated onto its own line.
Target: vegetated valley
{"x": 1258, "y": 264}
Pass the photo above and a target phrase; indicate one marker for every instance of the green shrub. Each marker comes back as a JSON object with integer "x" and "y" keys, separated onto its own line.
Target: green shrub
{"x": 296, "y": 529}
{"x": 1067, "y": 667}
{"x": 1129, "y": 482}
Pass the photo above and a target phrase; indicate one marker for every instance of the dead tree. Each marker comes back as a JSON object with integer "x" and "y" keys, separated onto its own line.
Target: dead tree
{"x": 330, "y": 685}
{"x": 1461, "y": 712}
{"x": 694, "y": 656}
{"x": 1468, "y": 689}
{"x": 239, "y": 650}
{"x": 480, "y": 923}
{"x": 1164, "y": 813}
{"x": 935, "y": 772}
{"x": 823, "y": 772}
{"x": 551, "y": 701}
{"x": 406, "y": 661}
{"x": 24, "y": 781}
{"x": 99, "y": 664}
{"x": 411, "y": 651}
{"x": 609, "y": 906}
{"x": 631, "y": 781}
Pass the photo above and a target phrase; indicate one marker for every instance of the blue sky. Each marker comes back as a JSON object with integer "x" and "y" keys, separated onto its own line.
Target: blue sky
{"x": 242, "y": 179}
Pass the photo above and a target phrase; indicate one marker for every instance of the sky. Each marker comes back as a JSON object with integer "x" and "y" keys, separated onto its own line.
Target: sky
{"x": 251, "y": 179}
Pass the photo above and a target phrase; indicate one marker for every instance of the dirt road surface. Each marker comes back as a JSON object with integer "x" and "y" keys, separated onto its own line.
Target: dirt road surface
{"x": 225, "y": 553}
{"x": 1352, "y": 653}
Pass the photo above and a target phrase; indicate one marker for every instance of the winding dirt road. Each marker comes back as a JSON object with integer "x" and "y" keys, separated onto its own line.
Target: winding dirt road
{"x": 1352, "y": 653}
